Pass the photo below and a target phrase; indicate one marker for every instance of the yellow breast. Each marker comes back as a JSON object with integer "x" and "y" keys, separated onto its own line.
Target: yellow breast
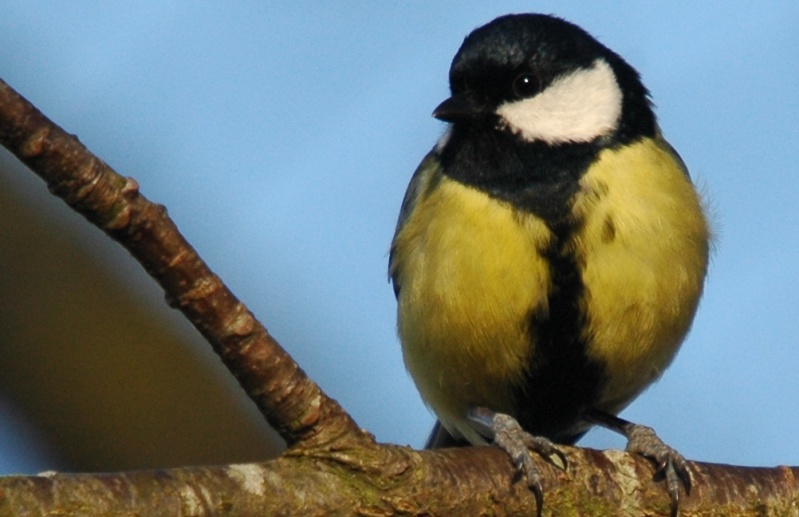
{"x": 644, "y": 246}
{"x": 470, "y": 273}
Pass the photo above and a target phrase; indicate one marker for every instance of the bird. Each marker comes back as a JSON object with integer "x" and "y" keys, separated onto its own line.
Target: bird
{"x": 551, "y": 249}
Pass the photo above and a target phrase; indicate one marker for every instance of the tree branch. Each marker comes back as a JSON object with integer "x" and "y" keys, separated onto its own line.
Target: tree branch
{"x": 293, "y": 404}
{"x": 332, "y": 466}
{"x": 389, "y": 480}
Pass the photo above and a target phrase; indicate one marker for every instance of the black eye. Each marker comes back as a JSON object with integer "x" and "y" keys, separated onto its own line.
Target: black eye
{"x": 526, "y": 85}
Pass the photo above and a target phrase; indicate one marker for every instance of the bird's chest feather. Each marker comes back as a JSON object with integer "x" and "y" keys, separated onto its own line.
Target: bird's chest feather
{"x": 643, "y": 250}
{"x": 470, "y": 271}
{"x": 476, "y": 281}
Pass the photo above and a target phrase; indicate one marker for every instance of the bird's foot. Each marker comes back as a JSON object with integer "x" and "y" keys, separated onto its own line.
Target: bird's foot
{"x": 509, "y": 436}
{"x": 671, "y": 465}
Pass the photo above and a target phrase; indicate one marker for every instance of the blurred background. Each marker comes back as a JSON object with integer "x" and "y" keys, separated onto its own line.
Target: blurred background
{"x": 281, "y": 137}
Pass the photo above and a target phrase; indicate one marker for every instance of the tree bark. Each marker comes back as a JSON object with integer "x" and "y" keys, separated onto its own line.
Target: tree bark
{"x": 332, "y": 466}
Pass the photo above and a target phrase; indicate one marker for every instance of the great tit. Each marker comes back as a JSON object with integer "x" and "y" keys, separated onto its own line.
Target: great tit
{"x": 551, "y": 248}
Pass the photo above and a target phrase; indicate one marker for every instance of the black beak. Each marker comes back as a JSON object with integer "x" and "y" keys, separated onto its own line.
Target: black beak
{"x": 458, "y": 109}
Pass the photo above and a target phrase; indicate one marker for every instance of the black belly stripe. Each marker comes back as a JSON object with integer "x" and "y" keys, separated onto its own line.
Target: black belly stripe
{"x": 539, "y": 179}
{"x": 562, "y": 382}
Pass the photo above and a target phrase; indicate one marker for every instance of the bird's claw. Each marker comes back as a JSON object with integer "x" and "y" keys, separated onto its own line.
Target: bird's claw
{"x": 671, "y": 465}
{"x": 518, "y": 443}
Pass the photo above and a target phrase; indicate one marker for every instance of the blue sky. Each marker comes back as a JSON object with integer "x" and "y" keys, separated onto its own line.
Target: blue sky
{"x": 281, "y": 138}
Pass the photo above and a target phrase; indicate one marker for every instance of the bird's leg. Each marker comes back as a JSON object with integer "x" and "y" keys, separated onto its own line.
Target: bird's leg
{"x": 509, "y": 436}
{"x": 671, "y": 465}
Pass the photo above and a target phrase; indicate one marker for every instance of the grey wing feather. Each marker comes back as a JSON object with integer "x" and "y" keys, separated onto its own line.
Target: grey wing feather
{"x": 418, "y": 182}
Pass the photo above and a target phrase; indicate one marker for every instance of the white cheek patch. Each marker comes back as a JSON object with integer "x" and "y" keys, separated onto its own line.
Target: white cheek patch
{"x": 578, "y": 107}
